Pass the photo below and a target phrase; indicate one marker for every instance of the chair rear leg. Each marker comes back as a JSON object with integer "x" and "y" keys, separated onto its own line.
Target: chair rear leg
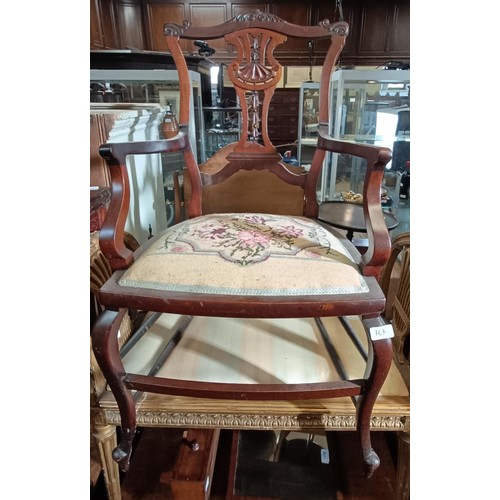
{"x": 378, "y": 365}
{"x": 107, "y": 353}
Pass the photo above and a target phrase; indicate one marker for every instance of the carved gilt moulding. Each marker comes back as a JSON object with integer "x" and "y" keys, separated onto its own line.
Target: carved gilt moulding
{"x": 258, "y": 422}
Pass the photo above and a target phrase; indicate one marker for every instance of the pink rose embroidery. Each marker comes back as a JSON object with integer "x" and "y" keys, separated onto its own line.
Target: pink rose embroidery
{"x": 290, "y": 232}
{"x": 250, "y": 238}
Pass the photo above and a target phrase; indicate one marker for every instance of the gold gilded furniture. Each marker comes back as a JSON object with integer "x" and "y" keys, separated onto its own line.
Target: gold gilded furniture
{"x": 100, "y": 271}
{"x": 395, "y": 283}
{"x": 246, "y": 262}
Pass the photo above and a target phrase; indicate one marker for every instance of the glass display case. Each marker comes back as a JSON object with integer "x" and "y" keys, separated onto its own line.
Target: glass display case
{"x": 307, "y": 134}
{"x": 371, "y": 107}
{"x": 222, "y": 127}
{"x": 150, "y": 86}
{"x": 159, "y": 86}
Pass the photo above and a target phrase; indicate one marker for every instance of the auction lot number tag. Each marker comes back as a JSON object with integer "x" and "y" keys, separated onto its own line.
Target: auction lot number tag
{"x": 381, "y": 332}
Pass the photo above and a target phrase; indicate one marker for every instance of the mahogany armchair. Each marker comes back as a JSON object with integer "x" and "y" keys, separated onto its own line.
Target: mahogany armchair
{"x": 258, "y": 257}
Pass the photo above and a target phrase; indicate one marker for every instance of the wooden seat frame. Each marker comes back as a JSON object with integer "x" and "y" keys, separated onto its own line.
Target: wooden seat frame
{"x": 255, "y": 75}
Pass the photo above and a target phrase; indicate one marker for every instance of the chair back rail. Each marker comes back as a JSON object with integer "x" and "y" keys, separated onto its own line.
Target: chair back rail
{"x": 255, "y": 74}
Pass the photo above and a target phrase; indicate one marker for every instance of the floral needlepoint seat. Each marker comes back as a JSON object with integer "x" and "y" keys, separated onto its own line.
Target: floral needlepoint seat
{"x": 251, "y": 246}
{"x": 247, "y": 254}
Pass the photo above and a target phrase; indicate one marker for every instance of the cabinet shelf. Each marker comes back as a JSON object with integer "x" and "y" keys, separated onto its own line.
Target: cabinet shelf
{"x": 218, "y": 108}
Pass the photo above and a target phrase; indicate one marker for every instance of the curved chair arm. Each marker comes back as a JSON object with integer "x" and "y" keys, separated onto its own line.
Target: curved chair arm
{"x": 376, "y": 159}
{"x": 112, "y": 235}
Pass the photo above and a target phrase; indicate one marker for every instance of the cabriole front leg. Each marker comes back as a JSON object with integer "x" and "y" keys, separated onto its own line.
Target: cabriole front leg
{"x": 107, "y": 353}
{"x": 377, "y": 368}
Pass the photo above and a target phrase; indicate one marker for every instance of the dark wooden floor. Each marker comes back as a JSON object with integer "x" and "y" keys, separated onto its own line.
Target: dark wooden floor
{"x": 155, "y": 456}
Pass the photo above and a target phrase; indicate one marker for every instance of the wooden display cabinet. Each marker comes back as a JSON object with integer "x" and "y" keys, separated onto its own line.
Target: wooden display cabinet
{"x": 379, "y": 31}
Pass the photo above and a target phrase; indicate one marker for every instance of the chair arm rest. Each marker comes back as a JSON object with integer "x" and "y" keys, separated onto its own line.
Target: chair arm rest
{"x": 376, "y": 158}
{"x": 117, "y": 152}
{"x": 112, "y": 235}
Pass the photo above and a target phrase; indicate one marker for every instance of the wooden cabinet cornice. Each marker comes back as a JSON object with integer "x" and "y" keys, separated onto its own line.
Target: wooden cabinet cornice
{"x": 116, "y": 24}
{"x": 103, "y": 33}
{"x": 379, "y": 31}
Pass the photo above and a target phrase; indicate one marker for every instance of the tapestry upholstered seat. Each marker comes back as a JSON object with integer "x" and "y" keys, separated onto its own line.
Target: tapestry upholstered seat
{"x": 247, "y": 254}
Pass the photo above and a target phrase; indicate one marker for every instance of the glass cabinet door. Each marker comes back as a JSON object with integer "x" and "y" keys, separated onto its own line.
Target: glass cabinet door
{"x": 159, "y": 87}
{"x": 308, "y": 122}
{"x": 371, "y": 107}
{"x": 150, "y": 86}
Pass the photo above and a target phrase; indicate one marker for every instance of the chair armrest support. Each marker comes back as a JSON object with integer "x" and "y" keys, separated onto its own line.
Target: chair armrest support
{"x": 376, "y": 158}
{"x": 111, "y": 237}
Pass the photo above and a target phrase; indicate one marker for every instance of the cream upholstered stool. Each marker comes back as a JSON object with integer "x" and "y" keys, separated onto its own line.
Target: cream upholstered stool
{"x": 252, "y": 351}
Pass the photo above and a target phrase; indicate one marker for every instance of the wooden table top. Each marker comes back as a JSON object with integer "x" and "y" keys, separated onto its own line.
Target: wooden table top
{"x": 349, "y": 216}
